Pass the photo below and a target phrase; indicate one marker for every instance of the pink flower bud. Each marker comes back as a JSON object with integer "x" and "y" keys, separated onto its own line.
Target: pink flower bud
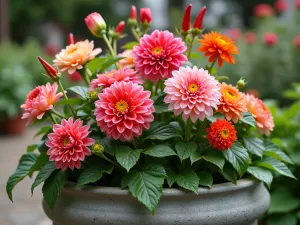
{"x": 95, "y": 24}
{"x": 281, "y": 5}
{"x": 120, "y": 28}
{"x": 270, "y": 39}
{"x": 132, "y": 15}
{"x": 50, "y": 70}
{"x": 199, "y": 19}
{"x": 70, "y": 39}
{"x": 186, "y": 21}
{"x": 145, "y": 15}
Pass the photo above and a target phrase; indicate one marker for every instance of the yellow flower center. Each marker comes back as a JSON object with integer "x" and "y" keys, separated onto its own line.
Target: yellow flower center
{"x": 231, "y": 95}
{"x": 193, "y": 88}
{"x": 221, "y": 41}
{"x": 156, "y": 50}
{"x": 72, "y": 50}
{"x": 225, "y": 133}
{"x": 121, "y": 106}
{"x": 66, "y": 141}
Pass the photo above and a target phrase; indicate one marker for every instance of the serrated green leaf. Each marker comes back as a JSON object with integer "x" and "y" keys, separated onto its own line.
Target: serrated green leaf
{"x": 215, "y": 158}
{"x": 171, "y": 177}
{"x": 52, "y": 187}
{"x": 127, "y": 157}
{"x": 93, "y": 174}
{"x": 43, "y": 130}
{"x": 282, "y": 201}
{"x": 274, "y": 151}
{"x": 130, "y": 45}
{"x": 44, "y": 173}
{"x": 161, "y": 131}
{"x": 275, "y": 165}
{"x": 248, "y": 119}
{"x": 238, "y": 157}
{"x": 159, "y": 151}
{"x": 184, "y": 150}
{"x": 146, "y": 183}
{"x": 229, "y": 173}
{"x": 261, "y": 174}
{"x": 26, "y": 162}
{"x": 205, "y": 179}
{"x": 196, "y": 156}
{"x": 254, "y": 145}
{"x": 188, "y": 179}
{"x": 81, "y": 91}
{"x": 31, "y": 148}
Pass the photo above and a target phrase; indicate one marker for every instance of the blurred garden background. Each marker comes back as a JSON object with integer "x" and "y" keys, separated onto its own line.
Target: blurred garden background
{"x": 267, "y": 33}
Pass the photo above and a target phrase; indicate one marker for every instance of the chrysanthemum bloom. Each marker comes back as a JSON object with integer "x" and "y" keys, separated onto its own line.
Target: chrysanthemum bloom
{"x": 218, "y": 46}
{"x": 250, "y": 38}
{"x": 281, "y": 5}
{"x": 297, "y": 41}
{"x": 232, "y": 103}
{"x": 192, "y": 92}
{"x": 74, "y": 56}
{"x": 261, "y": 114}
{"x": 270, "y": 39}
{"x": 263, "y": 10}
{"x": 221, "y": 134}
{"x": 123, "y": 110}
{"x": 108, "y": 78}
{"x": 39, "y": 100}
{"x": 128, "y": 61}
{"x": 68, "y": 144}
{"x": 158, "y": 55}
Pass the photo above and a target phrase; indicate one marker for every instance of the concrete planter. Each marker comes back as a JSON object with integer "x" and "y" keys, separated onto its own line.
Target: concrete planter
{"x": 223, "y": 204}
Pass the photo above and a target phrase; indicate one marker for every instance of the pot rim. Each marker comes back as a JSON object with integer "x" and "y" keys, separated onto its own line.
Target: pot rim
{"x": 216, "y": 188}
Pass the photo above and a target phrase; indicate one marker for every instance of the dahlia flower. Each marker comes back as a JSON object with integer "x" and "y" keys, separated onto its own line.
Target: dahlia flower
{"x": 74, "y": 56}
{"x": 221, "y": 134}
{"x": 281, "y": 5}
{"x": 158, "y": 55}
{"x": 192, "y": 92}
{"x": 108, "y": 78}
{"x": 128, "y": 61}
{"x": 261, "y": 114}
{"x": 123, "y": 110}
{"x": 232, "y": 103}
{"x": 217, "y": 46}
{"x": 68, "y": 144}
{"x": 270, "y": 39}
{"x": 39, "y": 100}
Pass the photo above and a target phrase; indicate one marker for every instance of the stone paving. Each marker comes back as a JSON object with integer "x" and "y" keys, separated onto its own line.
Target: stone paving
{"x": 25, "y": 210}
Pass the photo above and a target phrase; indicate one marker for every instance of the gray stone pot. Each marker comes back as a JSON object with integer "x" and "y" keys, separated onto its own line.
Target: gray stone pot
{"x": 223, "y": 204}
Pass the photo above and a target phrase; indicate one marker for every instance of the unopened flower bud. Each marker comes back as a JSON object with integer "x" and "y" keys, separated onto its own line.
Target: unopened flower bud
{"x": 145, "y": 18}
{"x": 98, "y": 149}
{"x": 50, "y": 70}
{"x": 120, "y": 28}
{"x": 70, "y": 39}
{"x": 186, "y": 21}
{"x": 95, "y": 24}
{"x": 132, "y": 17}
{"x": 241, "y": 83}
{"x": 198, "y": 22}
{"x": 93, "y": 95}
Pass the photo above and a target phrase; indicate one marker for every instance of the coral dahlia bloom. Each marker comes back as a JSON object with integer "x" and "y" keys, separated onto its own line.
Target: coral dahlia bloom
{"x": 128, "y": 61}
{"x": 158, "y": 55}
{"x": 39, "y": 100}
{"x": 263, "y": 10}
{"x": 123, "y": 110}
{"x": 74, "y": 56}
{"x": 218, "y": 46}
{"x": 108, "y": 78}
{"x": 68, "y": 144}
{"x": 261, "y": 114}
{"x": 221, "y": 134}
{"x": 192, "y": 92}
{"x": 232, "y": 103}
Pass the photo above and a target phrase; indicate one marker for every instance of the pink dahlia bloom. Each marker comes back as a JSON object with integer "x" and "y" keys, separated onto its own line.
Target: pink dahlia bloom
{"x": 39, "y": 100}
{"x": 123, "y": 110}
{"x": 108, "y": 78}
{"x": 193, "y": 92}
{"x": 158, "y": 55}
{"x": 68, "y": 144}
{"x": 261, "y": 114}
{"x": 270, "y": 38}
{"x": 74, "y": 56}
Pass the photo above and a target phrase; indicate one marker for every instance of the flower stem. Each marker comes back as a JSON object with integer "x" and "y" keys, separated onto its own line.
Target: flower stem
{"x": 134, "y": 33}
{"x": 188, "y": 130}
{"x": 110, "y": 161}
{"x": 57, "y": 113}
{"x": 110, "y": 49}
{"x": 66, "y": 97}
{"x": 52, "y": 117}
{"x": 115, "y": 46}
{"x": 190, "y": 47}
{"x": 212, "y": 66}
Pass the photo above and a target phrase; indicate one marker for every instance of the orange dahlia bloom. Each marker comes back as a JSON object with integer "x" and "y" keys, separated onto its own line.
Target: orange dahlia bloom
{"x": 218, "y": 46}
{"x": 232, "y": 102}
{"x": 221, "y": 134}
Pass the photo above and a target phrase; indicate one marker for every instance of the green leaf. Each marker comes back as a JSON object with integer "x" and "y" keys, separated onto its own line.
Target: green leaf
{"x": 184, "y": 150}
{"x": 43, "y": 130}
{"x": 26, "y": 162}
{"x": 162, "y": 108}
{"x": 205, "y": 179}
{"x": 41, "y": 160}
{"x": 130, "y": 45}
{"x": 195, "y": 55}
{"x": 110, "y": 61}
{"x": 44, "y": 173}
{"x": 275, "y": 165}
{"x": 196, "y": 156}
{"x": 282, "y": 201}
{"x": 274, "y": 151}
{"x": 96, "y": 64}
{"x": 161, "y": 131}
{"x": 248, "y": 119}
{"x": 215, "y": 158}
{"x": 254, "y": 145}
{"x": 127, "y": 157}
{"x": 219, "y": 78}
{"x": 238, "y": 157}
{"x": 189, "y": 180}
{"x": 261, "y": 174}
{"x": 146, "y": 183}
{"x": 229, "y": 173}
{"x": 298, "y": 215}
{"x": 53, "y": 186}
{"x": 31, "y": 148}
{"x": 70, "y": 101}
{"x": 93, "y": 174}
{"x": 159, "y": 151}
{"x": 171, "y": 177}
{"x": 81, "y": 91}
{"x": 288, "y": 219}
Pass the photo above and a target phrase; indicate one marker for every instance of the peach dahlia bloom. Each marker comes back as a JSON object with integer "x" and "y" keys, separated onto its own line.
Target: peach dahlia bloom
{"x": 261, "y": 114}
{"x": 192, "y": 92}
{"x": 232, "y": 102}
{"x": 68, "y": 144}
{"x": 123, "y": 110}
{"x": 74, "y": 56}
{"x": 39, "y": 100}
{"x": 128, "y": 61}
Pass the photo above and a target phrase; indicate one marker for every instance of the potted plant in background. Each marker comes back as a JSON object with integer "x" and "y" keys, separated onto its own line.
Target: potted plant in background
{"x": 149, "y": 128}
